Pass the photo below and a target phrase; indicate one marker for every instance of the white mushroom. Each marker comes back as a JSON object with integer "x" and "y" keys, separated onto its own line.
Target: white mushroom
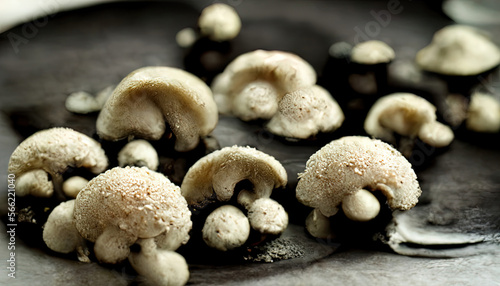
{"x": 186, "y": 37}
{"x": 219, "y": 22}
{"x": 483, "y": 113}
{"x": 139, "y": 153}
{"x": 82, "y": 102}
{"x": 35, "y": 183}
{"x": 159, "y": 266}
{"x": 226, "y": 228}
{"x": 267, "y": 216}
{"x": 372, "y": 52}
{"x": 124, "y": 204}
{"x": 147, "y": 97}
{"x": 60, "y": 233}
{"x": 408, "y": 115}
{"x": 72, "y": 186}
{"x": 361, "y": 205}
{"x": 345, "y": 166}
{"x": 459, "y": 50}
{"x": 319, "y": 225}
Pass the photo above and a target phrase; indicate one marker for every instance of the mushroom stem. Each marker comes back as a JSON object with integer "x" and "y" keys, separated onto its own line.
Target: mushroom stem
{"x": 319, "y": 225}
{"x": 361, "y": 205}
{"x": 436, "y": 134}
{"x": 113, "y": 245}
{"x": 57, "y": 181}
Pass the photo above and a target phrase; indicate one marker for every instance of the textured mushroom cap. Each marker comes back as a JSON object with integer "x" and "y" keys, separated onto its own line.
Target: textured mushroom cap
{"x": 35, "y": 183}
{"x": 53, "y": 150}
{"x": 139, "y": 153}
{"x": 405, "y": 114}
{"x": 72, "y": 186}
{"x": 305, "y": 112}
{"x": 372, "y": 52}
{"x": 219, "y": 22}
{"x": 349, "y": 164}
{"x": 268, "y": 216}
{"x": 149, "y": 96}
{"x": 460, "y": 51}
{"x": 483, "y": 114}
{"x": 59, "y": 232}
{"x": 226, "y": 228}
{"x": 220, "y": 171}
{"x": 283, "y": 72}
{"x": 137, "y": 201}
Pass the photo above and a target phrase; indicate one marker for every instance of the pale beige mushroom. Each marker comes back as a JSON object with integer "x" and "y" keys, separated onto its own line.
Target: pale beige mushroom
{"x": 408, "y": 115}
{"x": 219, "y": 22}
{"x": 82, "y": 102}
{"x": 149, "y": 96}
{"x": 122, "y": 205}
{"x": 483, "y": 114}
{"x": 226, "y": 228}
{"x": 267, "y": 216}
{"x": 72, "y": 186}
{"x": 139, "y": 153}
{"x": 319, "y": 226}
{"x": 345, "y": 166}
{"x": 36, "y": 183}
{"x": 459, "y": 50}
{"x": 372, "y": 52}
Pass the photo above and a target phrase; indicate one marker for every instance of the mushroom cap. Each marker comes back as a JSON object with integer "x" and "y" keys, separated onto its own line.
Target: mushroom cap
{"x": 268, "y": 216}
{"x": 351, "y": 163}
{"x": 54, "y": 150}
{"x": 72, "y": 186}
{"x": 305, "y": 112}
{"x": 219, "y": 22}
{"x": 372, "y": 52}
{"x": 483, "y": 114}
{"x": 284, "y": 72}
{"x": 459, "y": 50}
{"x": 59, "y": 232}
{"x": 361, "y": 205}
{"x": 219, "y": 172}
{"x": 136, "y": 201}
{"x": 139, "y": 153}
{"x": 35, "y": 183}
{"x": 226, "y": 228}
{"x": 149, "y": 96}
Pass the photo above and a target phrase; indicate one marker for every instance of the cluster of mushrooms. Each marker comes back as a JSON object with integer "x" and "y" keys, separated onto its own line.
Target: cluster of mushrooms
{"x": 132, "y": 204}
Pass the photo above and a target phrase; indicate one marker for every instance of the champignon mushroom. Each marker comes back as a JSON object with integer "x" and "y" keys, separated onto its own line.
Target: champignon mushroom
{"x": 35, "y": 183}
{"x": 149, "y": 96}
{"x": 267, "y": 216}
{"x": 219, "y": 22}
{"x": 318, "y": 225}
{"x": 139, "y": 153}
{"x": 459, "y": 50}
{"x": 60, "y": 233}
{"x": 82, "y": 102}
{"x": 54, "y": 150}
{"x": 159, "y": 266}
{"x": 345, "y": 166}
{"x": 372, "y": 52}
{"x": 124, "y": 204}
{"x": 483, "y": 114}
{"x": 408, "y": 115}
{"x": 226, "y": 228}
{"x": 72, "y": 186}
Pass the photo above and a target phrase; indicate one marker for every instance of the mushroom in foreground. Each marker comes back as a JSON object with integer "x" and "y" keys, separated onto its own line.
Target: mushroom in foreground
{"x": 407, "y": 115}
{"x": 53, "y": 151}
{"x": 226, "y": 228}
{"x": 344, "y": 173}
{"x": 123, "y": 205}
{"x": 149, "y": 96}
{"x": 219, "y": 22}
{"x": 138, "y": 153}
{"x": 483, "y": 114}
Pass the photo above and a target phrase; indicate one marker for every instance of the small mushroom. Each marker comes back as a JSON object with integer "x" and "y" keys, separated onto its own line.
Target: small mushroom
{"x": 60, "y": 233}
{"x": 139, "y": 153}
{"x": 159, "y": 266}
{"x": 82, "y": 102}
{"x": 408, "y": 115}
{"x": 372, "y": 52}
{"x": 120, "y": 206}
{"x": 342, "y": 168}
{"x": 361, "y": 205}
{"x": 35, "y": 183}
{"x": 219, "y": 22}
{"x": 149, "y": 96}
{"x": 226, "y": 228}
{"x": 72, "y": 186}
{"x": 483, "y": 114}
{"x": 459, "y": 50}
{"x": 267, "y": 216}
{"x": 319, "y": 226}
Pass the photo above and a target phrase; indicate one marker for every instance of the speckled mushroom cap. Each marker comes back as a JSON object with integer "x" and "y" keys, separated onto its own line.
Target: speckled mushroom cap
{"x": 138, "y": 201}
{"x": 459, "y": 50}
{"x": 349, "y": 164}
{"x": 219, "y": 172}
{"x": 149, "y": 96}
{"x": 219, "y": 22}
{"x": 54, "y": 150}
{"x": 372, "y": 52}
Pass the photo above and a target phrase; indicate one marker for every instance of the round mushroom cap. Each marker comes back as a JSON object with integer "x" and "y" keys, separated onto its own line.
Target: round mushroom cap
{"x": 459, "y": 50}
{"x": 219, "y": 22}
{"x": 226, "y": 228}
{"x": 483, "y": 114}
{"x": 305, "y": 112}
{"x": 267, "y": 216}
{"x": 351, "y": 163}
{"x": 54, "y": 150}
{"x": 219, "y": 172}
{"x": 35, "y": 183}
{"x": 372, "y": 52}
{"x": 149, "y": 96}
{"x": 361, "y": 206}
{"x": 72, "y": 186}
{"x": 59, "y": 232}
{"x": 139, "y": 153}
{"x": 135, "y": 201}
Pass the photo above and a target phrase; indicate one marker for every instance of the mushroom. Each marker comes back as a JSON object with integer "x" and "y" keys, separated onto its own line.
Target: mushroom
{"x": 318, "y": 225}
{"x": 459, "y": 50}
{"x": 219, "y": 22}
{"x": 82, "y": 102}
{"x": 35, "y": 183}
{"x": 159, "y": 266}
{"x": 483, "y": 114}
{"x": 120, "y": 206}
{"x": 267, "y": 216}
{"x": 226, "y": 228}
{"x": 149, "y": 96}
{"x": 139, "y": 153}
{"x": 350, "y": 165}
{"x": 72, "y": 186}
{"x": 372, "y": 52}
{"x": 54, "y": 150}
{"x": 408, "y": 115}
{"x": 60, "y": 233}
